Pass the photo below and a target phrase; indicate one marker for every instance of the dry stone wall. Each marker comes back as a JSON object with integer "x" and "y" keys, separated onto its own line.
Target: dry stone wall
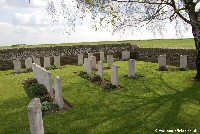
{"x": 69, "y": 54}
{"x": 172, "y": 55}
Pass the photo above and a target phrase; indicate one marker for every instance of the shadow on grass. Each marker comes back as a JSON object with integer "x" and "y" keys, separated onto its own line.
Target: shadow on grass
{"x": 106, "y": 113}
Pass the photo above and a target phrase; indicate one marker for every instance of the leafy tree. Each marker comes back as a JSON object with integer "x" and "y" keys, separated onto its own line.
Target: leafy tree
{"x": 130, "y": 14}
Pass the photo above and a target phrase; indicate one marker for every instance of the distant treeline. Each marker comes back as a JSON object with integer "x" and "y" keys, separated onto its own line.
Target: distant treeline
{"x": 16, "y": 45}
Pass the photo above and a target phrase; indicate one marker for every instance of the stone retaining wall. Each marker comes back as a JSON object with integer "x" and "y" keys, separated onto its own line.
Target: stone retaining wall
{"x": 172, "y": 55}
{"x": 69, "y": 54}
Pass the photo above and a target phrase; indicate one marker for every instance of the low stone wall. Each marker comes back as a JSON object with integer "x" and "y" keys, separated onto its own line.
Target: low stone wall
{"x": 68, "y": 54}
{"x": 172, "y": 55}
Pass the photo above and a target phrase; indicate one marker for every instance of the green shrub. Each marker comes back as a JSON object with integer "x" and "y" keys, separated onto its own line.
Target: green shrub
{"x": 46, "y": 106}
{"x": 38, "y": 90}
{"x": 83, "y": 75}
{"x": 52, "y": 67}
{"x": 95, "y": 77}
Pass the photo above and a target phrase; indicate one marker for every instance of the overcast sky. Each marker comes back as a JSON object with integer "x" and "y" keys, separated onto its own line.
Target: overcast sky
{"x": 24, "y": 23}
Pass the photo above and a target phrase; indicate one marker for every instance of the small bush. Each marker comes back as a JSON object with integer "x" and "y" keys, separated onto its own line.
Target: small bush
{"x": 83, "y": 75}
{"x": 52, "y": 67}
{"x": 38, "y": 90}
{"x": 95, "y": 78}
{"x": 46, "y": 106}
{"x": 28, "y": 82}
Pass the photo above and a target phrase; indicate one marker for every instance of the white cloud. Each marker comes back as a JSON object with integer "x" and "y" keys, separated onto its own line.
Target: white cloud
{"x": 21, "y": 22}
{"x": 6, "y": 28}
{"x": 32, "y": 19}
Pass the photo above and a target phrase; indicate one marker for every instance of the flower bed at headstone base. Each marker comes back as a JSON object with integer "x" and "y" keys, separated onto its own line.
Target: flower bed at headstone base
{"x": 47, "y": 101}
{"x": 94, "y": 78}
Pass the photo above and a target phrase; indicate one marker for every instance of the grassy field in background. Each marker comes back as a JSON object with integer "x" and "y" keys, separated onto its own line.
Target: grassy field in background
{"x": 159, "y": 100}
{"x": 161, "y": 43}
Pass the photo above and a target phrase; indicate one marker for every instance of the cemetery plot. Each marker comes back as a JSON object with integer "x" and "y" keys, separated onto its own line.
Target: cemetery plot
{"x": 103, "y": 83}
{"x": 41, "y": 87}
{"x": 49, "y": 103}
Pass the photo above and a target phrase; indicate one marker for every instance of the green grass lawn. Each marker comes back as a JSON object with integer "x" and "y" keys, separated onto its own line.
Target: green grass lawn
{"x": 159, "y": 100}
{"x": 161, "y": 43}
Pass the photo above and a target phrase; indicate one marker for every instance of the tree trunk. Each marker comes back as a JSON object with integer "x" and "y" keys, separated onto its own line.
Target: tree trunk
{"x": 196, "y": 33}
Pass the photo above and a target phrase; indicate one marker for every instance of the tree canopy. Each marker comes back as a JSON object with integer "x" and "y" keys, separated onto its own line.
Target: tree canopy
{"x": 127, "y": 14}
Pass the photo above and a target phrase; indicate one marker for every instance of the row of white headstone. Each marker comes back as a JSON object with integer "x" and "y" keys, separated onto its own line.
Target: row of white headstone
{"x": 162, "y": 61}
{"x": 29, "y": 61}
{"x": 125, "y": 56}
{"x": 90, "y": 63}
{"x": 44, "y": 77}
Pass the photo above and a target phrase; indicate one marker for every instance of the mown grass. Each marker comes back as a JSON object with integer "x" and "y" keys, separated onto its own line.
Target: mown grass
{"x": 159, "y": 100}
{"x": 161, "y": 43}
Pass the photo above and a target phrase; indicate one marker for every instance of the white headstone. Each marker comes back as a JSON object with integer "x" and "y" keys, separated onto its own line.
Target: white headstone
{"x": 57, "y": 61}
{"x": 89, "y": 55}
{"x": 85, "y": 64}
{"x": 114, "y": 77}
{"x": 94, "y": 61}
{"x": 125, "y": 55}
{"x": 100, "y": 69}
{"x": 28, "y": 63}
{"x": 162, "y": 60}
{"x": 89, "y": 66}
{"x": 110, "y": 60}
{"x": 48, "y": 82}
{"x": 58, "y": 91}
{"x": 35, "y": 116}
{"x": 131, "y": 68}
{"x": 47, "y": 62}
{"x": 17, "y": 65}
{"x": 183, "y": 61}
{"x": 102, "y": 58}
{"x": 37, "y": 61}
{"x": 80, "y": 59}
